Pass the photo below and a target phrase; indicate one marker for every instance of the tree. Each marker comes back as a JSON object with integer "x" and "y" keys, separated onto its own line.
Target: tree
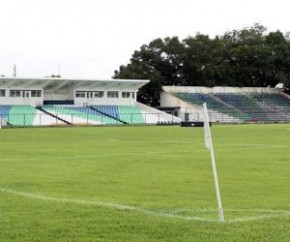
{"x": 160, "y": 61}
{"x": 247, "y": 57}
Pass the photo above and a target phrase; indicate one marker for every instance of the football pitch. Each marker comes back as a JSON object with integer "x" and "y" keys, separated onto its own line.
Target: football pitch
{"x": 144, "y": 183}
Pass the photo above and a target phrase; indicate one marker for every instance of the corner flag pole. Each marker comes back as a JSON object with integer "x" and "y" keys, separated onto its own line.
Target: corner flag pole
{"x": 209, "y": 146}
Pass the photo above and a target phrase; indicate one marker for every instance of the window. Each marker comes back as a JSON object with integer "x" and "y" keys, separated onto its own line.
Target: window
{"x": 25, "y": 94}
{"x": 2, "y": 93}
{"x": 15, "y": 93}
{"x": 35, "y": 93}
{"x": 89, "y": 94}
{"x": 80, "y": 94}
{"x": 99, "y": 94}
{"x": 125, "y": 94}
{"x": 128, "y": 94}
{"x": 113, "y": 94}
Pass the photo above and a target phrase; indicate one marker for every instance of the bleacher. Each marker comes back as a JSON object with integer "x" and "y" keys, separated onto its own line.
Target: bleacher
{"x": 243, "y": 103}
{"x": 200, "y": 98}
{"x": 18, "y": 115}
{"x": 220, "y": 110}
{"x": 259, "y": 106}
{"x": 25, "y": 115}
{"x": 78, "y": 115}
{"x": 249, "y": 105}
{"x": 4, "y": 111}
{"x": 131, "y": 114}
{"x": 274, "y": 100}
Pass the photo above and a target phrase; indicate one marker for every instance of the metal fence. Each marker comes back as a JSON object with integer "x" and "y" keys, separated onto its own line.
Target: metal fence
{"x": 238, "y": 117}
{"x": 86, "y": 119}
{"x": 134, "y": 118}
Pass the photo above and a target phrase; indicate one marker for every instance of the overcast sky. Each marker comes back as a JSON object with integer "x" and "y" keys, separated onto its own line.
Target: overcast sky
{"x": 92, "y": 38}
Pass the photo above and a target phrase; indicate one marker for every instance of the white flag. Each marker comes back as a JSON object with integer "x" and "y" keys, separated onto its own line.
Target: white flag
{"x": 207, "y": 134}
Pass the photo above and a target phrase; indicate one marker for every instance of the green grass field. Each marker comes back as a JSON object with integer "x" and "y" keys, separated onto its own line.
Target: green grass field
{"x": 150, "y": 183}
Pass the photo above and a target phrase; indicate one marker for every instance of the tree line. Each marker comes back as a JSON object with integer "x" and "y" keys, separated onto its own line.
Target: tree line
{"x": 249, "y": 57}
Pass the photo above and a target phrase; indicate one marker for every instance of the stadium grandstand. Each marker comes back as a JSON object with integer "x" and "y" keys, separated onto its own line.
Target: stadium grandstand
{"x": 65, "y": 101}
{"x": 227, "y": 104}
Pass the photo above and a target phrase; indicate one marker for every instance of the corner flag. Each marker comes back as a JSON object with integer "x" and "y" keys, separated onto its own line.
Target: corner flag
{"x": 209, "y": 146}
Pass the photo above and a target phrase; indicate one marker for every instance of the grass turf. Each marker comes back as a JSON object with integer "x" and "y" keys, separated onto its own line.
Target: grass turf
{"x": 144, "y": 184}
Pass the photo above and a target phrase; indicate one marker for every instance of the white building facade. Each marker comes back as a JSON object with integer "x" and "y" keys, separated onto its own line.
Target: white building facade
{"x": 78, "y": 92}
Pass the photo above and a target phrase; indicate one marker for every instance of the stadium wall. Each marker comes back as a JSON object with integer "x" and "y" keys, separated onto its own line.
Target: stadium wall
{"x": 206, "y": 90}
{"x": 186, "y": 111}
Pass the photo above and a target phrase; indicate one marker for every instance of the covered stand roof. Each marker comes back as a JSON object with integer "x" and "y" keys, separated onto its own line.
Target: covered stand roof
{"x": 58, "y": 83}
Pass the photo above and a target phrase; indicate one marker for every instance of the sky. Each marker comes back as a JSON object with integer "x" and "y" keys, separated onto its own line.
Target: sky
{"x": 92, "y": 38}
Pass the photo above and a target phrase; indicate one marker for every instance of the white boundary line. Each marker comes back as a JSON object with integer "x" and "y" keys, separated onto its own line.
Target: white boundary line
{"x": 102, "y": 204}
{"x": 263, "y": 213}
{"x": 165, "y": 152}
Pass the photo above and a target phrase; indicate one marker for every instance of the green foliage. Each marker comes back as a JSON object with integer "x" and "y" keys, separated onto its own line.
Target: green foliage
{"x": 248, "y": 57}
{"x": 69, "y": 184}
